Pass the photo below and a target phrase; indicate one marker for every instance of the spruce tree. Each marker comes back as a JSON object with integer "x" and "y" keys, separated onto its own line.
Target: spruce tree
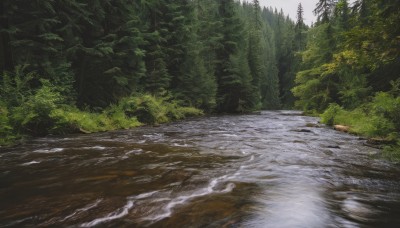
{"x": 157, "y": 78}
{"x": 300, "y": 29}
{"x": 233, "y": 78}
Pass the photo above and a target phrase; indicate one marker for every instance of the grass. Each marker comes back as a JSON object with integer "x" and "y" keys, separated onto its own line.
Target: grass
{"x": 377, "y": 119}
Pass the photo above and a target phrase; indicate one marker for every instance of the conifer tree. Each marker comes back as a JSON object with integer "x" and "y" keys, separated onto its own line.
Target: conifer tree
{"x": 157, "y": 77}
{"x": 257, "y": 68}
{"x": 232, "y": 78}
{"x": 300, "y": 29}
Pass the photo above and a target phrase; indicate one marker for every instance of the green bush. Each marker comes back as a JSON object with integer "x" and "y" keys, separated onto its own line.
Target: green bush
{"x": 72, "y": 120}
{"x": 387, "y": 106}
{"x": 155, "y": 110}
{"x": 150, "y": 109}
{"x": 328, "y": 117}
{"x": 15, "y": 87}
{"x": 7, "y": 135}
{"x": 33, "y": 115}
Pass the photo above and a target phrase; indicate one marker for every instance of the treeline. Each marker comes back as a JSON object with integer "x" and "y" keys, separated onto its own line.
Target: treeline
{"x": 351, "y": 68}
{"x": 74, "y": 65}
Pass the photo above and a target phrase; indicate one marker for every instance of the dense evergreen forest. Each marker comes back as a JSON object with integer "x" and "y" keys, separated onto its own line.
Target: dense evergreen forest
{"x": 97, "y": 65}
{"x": 87, "y": 66}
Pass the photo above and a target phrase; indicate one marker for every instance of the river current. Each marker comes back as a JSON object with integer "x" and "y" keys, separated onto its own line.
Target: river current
{"x": 272, "y": 169}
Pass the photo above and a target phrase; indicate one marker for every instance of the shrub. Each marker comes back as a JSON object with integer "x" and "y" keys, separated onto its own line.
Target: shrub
{"x": 150, "y": 109}
{"x": 328, "y": 117}
{"x": 33, "y": 115}
{"x": 72, "y": 120}
{"x": 387, "y": 106}
{"x": 7, "y": 135}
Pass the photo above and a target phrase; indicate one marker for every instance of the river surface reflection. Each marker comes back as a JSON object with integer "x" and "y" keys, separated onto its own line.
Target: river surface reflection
{"x": 273, "y": 169}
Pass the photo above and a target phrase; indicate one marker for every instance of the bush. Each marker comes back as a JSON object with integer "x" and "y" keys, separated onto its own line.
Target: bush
{"x": 387, "y": 106}
{"x": 33, "y": 115}
{"x": 72, "y": 120}
{"x": 7, "y": 135}
{"x": 155, "y": 110}
{"x": 328, "y": 117}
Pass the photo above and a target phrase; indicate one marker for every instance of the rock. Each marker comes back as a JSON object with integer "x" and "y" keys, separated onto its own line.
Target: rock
{"x": 333, "y": 147}
{"x": 341, "y": 128}
{"x": 303, "y": 130}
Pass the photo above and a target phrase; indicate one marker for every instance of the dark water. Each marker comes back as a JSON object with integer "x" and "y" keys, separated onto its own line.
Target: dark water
{"x": 266, "y": 170}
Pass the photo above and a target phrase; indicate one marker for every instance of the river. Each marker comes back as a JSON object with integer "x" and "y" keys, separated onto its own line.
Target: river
{"x": 272, "y": 169}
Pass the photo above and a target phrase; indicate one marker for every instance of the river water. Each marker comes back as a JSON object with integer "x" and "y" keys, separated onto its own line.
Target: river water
{"x": 273, "y": 169}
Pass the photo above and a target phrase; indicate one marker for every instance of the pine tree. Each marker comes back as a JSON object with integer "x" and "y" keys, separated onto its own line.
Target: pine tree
{"x": 194, "y": 83}
{"x": 323, "y": 10}
{"x": 257, "y": 68}
{"x": 108, "y": 58}
{"x": 300, "y": 29}
{"x": 342, "y": 12}
{"x": 31, "y": 37}
{"x": 233, "y": 78}
{"x": 157, "y": 77}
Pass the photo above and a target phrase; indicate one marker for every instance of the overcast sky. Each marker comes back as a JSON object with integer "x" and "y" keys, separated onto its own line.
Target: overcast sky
{"x": 290, "y": 7}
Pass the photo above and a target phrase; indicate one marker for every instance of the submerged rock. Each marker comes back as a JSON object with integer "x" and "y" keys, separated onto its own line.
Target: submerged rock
{"x": 304, "y": 130}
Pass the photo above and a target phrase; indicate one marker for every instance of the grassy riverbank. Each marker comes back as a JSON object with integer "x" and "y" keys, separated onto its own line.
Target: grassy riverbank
{"x": 378, "y": 120}
{"x": 26, "y": 113}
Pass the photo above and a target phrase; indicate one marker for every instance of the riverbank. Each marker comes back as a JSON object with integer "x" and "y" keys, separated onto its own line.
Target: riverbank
{"x": 44, "y": 113}
{"x": 378, "y": 120}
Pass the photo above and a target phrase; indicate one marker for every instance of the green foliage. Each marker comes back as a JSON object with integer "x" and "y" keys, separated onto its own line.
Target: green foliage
{"x": 155, "y": 110}
{"x": 76, "y": 64}
{"x": 33, "y": 115}
{"x": 387, "y": 106}
{"x": 392, "y": 152}
{"x": 7, "y": 134}
{"x": 72, "y": 120}
{"x": 377, "y": 118}
{"x": 15, "y": 86}
{"x": 328, "y": 117}
{"x": 44, "y": 110}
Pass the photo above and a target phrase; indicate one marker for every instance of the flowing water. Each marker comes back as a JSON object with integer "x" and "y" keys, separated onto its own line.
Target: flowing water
{"x": 274, "y": 169}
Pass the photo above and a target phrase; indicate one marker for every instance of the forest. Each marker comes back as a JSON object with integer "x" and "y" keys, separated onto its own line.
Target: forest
{"x": 88, "y": 66}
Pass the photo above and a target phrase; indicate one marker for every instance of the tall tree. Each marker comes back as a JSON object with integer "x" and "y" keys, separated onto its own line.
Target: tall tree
{"x": 323, "y": 10}
{"x": 300, "y": 29}
{"x": 233, "y": 78}
{"x": 257, "y": 68}
{"x": 195, "y": 82}
{"x": 157, "y": 77}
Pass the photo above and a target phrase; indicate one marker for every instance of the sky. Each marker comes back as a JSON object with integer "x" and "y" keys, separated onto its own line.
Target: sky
{"x": 290, "y": 7}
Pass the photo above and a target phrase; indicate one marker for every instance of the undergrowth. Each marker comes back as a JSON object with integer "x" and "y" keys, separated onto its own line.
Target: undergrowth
{"x": 379, "y": 118}
{"x": 25, "y": 111}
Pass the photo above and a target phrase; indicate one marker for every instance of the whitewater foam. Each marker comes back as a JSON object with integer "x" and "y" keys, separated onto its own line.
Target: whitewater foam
{"x": 30, "y": 163}
{"x": 47, "y": 151}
